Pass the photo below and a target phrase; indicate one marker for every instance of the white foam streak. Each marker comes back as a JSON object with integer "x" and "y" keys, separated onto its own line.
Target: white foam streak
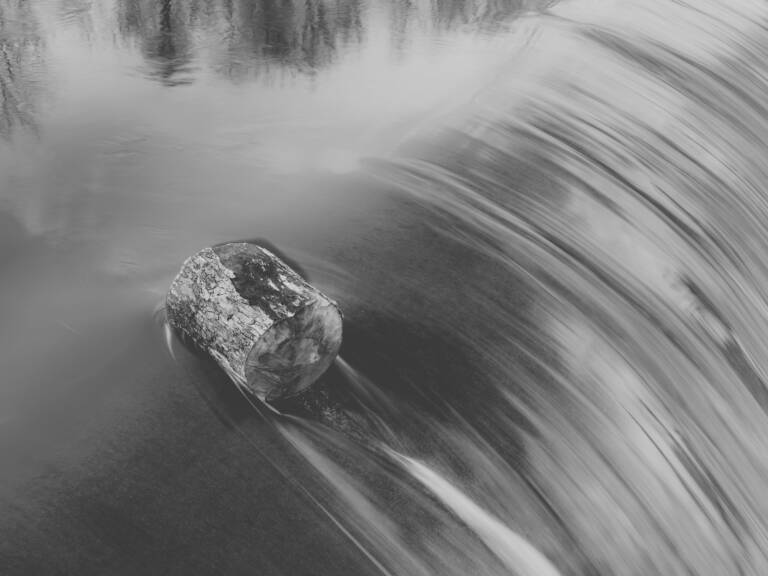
{"x": 514, "y": 551}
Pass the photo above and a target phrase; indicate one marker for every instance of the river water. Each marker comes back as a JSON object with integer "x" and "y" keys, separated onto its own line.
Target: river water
{"x": 545, "y": 223}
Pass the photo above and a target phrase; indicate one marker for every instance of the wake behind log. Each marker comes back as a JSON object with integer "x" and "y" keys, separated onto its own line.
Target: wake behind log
{"x": 273, "y": 333}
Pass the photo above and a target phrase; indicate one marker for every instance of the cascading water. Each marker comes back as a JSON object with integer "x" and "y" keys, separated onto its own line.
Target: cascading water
{"x": 609, "y": 189}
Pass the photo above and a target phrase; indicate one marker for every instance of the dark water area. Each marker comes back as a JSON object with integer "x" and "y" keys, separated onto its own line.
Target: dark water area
{"x": 545, "y": 224}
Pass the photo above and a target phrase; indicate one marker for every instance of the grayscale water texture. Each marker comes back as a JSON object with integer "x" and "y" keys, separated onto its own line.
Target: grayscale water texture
{"x": 547, "y": 226}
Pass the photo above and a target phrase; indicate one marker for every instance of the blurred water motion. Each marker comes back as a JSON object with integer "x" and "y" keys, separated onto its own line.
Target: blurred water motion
{"x": 545, "y": 223}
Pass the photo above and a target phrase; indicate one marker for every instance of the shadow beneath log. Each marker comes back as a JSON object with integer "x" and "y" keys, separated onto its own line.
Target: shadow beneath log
{"x": 216, "y": 388}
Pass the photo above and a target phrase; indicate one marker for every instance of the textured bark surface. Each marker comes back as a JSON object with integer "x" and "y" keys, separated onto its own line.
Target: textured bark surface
{"x": 273, "y": 333}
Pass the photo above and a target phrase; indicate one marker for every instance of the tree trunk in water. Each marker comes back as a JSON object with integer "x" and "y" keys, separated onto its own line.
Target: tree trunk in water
{"x": 273, "y": 333}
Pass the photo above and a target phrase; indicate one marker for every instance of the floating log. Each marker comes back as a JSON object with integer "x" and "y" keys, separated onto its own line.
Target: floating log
{"x": 272, "y": 333}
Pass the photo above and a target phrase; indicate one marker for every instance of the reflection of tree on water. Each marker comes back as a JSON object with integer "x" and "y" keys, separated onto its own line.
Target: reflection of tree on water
{"x": 439, "y": 16}
{"x": 297, "y": 36}
{"x": 162, "y": 30}
{"x": 130, "y": 20}
{"x": 449, "y": 14}
{"x": 241, "y": 38}
{"x": 20, "y": 57}
{"x": 166, "y": 46}
{"x": 169, "y": 48}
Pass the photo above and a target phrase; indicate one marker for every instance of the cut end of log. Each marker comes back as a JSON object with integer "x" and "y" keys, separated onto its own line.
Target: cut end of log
{"x": 273, "y": 333}
{"x": 294, "y": 352}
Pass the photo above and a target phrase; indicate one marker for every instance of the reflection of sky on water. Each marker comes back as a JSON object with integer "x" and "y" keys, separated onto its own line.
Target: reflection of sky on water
{"x": 242, "y": 39}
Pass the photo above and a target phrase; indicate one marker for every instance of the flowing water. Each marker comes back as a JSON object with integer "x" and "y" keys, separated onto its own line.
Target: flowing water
{"x": 545, "y": 223}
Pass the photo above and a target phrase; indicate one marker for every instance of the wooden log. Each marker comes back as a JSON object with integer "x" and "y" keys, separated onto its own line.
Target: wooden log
{"x": 272, "y": 332}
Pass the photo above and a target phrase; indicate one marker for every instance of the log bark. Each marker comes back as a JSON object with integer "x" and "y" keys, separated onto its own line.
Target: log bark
{"x": 273, "y": 333}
